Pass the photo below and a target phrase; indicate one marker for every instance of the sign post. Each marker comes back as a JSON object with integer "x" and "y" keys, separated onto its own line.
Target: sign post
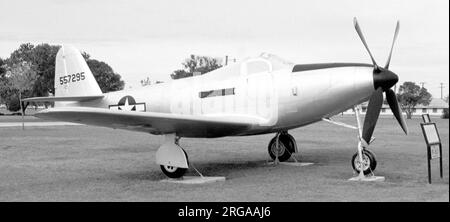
{"x": 426, "y": 118}
{"x": 434, "y": 146}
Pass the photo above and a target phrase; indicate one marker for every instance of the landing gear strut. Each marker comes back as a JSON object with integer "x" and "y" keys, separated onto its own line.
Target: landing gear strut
{"x": 282, "y": 146}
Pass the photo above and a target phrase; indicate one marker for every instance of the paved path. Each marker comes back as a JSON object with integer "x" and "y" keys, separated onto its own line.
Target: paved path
{"x": 19, "y": 124}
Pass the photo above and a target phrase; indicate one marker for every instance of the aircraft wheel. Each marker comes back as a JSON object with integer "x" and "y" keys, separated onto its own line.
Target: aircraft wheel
{"x": 286, "y": 148}
{"x": 369, "y": 162}
{"x": 174, "y": 172}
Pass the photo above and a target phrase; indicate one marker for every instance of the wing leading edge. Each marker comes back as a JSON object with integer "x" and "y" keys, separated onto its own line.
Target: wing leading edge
{"x": 155, "y": 123}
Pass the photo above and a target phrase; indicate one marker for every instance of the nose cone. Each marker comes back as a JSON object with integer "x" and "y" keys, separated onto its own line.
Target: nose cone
{"x": 384, "y": 78}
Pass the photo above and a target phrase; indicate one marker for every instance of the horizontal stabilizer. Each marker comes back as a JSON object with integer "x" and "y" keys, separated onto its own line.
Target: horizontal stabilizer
{"x": 62, "y": 98}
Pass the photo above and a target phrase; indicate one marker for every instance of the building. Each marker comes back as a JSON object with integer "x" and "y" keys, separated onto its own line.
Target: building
{"x": 435, "y": 108}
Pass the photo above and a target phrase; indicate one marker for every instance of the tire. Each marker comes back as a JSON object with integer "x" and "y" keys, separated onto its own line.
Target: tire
{"x": 174, "y": 172}
{"x": 373, "y": 164}
{"x": 369, "y": 166}
{"x": 286, "y": 148}
{"x": 293, "y": 143}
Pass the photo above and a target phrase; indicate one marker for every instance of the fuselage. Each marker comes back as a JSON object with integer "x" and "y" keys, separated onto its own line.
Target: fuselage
{"x": 283, "y": 95}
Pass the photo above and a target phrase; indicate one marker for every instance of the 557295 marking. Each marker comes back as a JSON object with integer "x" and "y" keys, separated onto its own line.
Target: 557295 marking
{"x": 71, "y": 78}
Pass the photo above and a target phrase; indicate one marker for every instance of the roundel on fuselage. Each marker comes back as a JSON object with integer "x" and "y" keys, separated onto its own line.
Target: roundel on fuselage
{"x": 130, "y": 99}
{"x": 128, "y": 103}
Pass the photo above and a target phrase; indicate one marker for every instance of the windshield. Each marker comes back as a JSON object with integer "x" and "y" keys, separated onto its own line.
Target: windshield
{"x": 276, "y": 61}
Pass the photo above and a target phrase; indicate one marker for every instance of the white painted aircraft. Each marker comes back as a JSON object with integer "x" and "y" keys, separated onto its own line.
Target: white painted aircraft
{"x": 256, "y": 96}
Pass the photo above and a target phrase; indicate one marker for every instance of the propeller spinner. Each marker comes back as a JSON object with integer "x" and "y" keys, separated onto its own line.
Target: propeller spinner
{"x": 383, "y": 80}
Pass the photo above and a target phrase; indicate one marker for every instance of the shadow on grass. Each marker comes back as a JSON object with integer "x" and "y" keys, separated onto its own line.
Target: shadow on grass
{"x": 225, "y": 169}
{"x": 143, "y": 175}
{"x": 206, "y": 168}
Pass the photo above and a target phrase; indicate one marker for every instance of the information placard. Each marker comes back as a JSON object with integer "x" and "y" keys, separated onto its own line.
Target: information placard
{"x": 434, "y": 146}
{"x": 431, "y": 133}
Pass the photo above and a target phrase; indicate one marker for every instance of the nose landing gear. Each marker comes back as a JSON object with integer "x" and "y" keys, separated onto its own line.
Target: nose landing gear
{"x": 363, "y": 161}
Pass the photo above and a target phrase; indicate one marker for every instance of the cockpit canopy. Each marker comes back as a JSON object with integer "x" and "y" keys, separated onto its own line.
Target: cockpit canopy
{"x": 265, "y": 62}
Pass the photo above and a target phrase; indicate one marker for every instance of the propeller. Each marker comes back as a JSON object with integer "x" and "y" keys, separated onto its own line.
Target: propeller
{"x": 383, "y": 80}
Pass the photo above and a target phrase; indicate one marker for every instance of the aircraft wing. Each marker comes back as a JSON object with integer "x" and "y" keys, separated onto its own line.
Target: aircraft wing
{"x": 154, "y": 122}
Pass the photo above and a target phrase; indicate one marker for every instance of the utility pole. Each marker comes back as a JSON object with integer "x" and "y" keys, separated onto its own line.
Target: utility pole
{"x": 422, "y": 84}
{"x": 442, "y": 87}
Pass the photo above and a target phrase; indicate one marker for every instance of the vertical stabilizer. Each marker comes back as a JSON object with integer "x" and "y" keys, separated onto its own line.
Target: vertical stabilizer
{"x": 72, "y": 74}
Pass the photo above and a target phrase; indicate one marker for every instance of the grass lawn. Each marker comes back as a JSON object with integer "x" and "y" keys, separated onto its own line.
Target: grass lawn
{"x": 83, "y": 163}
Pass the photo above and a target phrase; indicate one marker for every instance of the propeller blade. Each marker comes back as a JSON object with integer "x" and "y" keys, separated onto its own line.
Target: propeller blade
{"x": 373, "y": 111}
{"x": 397, "y": 28}
{"x": 361, "y": 36}
{"x": 393, "y": 104}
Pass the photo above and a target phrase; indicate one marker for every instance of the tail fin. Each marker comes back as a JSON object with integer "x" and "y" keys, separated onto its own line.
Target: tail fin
{"x": 73, "y": 78}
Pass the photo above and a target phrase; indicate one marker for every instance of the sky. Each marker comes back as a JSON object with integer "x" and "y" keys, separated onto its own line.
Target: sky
{"x": 141, "y": 39}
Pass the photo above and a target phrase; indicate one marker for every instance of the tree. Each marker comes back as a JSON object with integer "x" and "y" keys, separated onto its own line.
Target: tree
{"x": 3, "y": 80}
{"x": 179, "y": 74}
{"x": 106, "y": 78}
{"x": 148, "y": 81}
{"x": 145, "y": 82}
{"x": 410, "y": 95}
{"x": 21, "y": 78}
{"x": 2, "y": 68}
{"x": 42, "y": 60}
{"x": 445, "y": 115}
{"x": 202, "y": 64}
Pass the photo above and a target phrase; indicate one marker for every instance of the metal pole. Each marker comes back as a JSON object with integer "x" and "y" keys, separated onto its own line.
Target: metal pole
{"x": 21, "y": 110}
{"x": 358, "y": 121}
{"x": 429, "y": 165}
{"x": 360, "y": 148}
{"x": 440, "y": 160}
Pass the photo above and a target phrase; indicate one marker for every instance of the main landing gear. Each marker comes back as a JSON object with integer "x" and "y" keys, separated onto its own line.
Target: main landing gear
{"x": 175, "y": 172}
{"x": 174, "y": 163}
{"x": 282, "y": 146}
{"x": 172, "y": 159}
